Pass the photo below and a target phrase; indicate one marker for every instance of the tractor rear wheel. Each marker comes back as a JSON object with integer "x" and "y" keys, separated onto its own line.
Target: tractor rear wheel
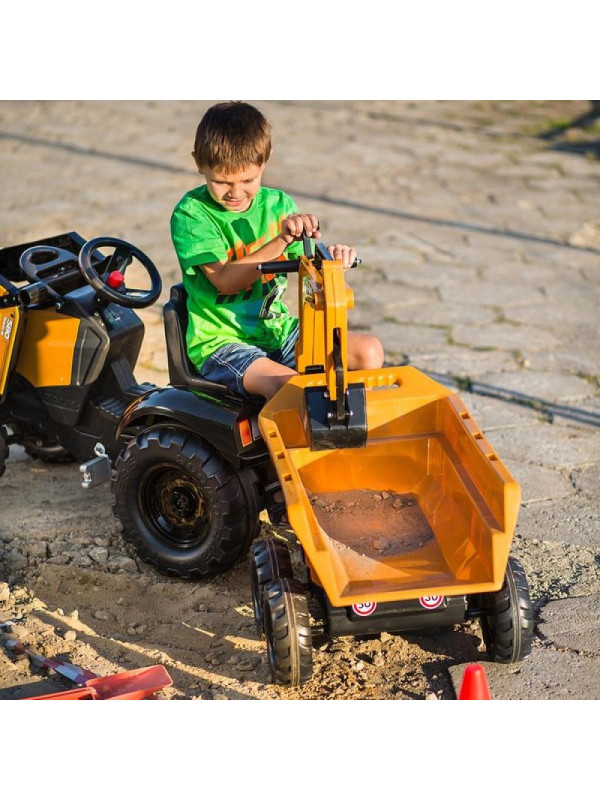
{"x": 181, "y": 505}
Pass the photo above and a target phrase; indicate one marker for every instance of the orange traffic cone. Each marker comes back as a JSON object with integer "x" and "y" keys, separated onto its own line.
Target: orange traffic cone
{"x": 474, "y": 684}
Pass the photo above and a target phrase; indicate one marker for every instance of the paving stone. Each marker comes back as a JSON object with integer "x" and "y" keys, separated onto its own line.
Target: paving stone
{"x": 459, "y": 362}
{"x": 538, "y": 483}
{"x": 567, "y": 361}
{"x": 506, "y": 295}
{"x": 573, "y": 623}
{"x": 435, "y": 312}
{"x": 555, "y": 446}
{"x": 397, "y": 338}
{"x": 587, "y": 481}
{"x": 574, "y": 520}
{"x": 387, "y": 296}
{"x": 505, "y": 336}
{"x": 493, "y": 413}
{"x": 552, "y": 315}
{"x": 545, "y": 675}
{"x": 546, "y": 386}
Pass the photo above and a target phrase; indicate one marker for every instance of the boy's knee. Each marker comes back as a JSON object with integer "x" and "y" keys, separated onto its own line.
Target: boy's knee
{"x": 369, "y": 353}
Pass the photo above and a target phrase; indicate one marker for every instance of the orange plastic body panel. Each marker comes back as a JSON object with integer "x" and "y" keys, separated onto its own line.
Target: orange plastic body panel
{"x": 47, "y": 348}
{"x": 421, "y": 440}
{"x": 10, "y": 320}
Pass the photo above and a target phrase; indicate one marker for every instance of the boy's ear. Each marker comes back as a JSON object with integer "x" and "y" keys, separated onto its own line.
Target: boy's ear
{"x": 196, "y": 165}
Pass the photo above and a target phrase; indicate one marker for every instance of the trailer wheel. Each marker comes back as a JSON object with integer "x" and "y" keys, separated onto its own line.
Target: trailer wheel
{"x": 287, "y": 631}
{"x": 181, "y": 505}
{"x": 269, "y": 560}
{"x": 507, "y": 617}
{"x": 3, "y": 450}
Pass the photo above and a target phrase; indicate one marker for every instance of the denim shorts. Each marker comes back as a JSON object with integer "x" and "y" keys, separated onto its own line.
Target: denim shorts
{"x": 229, "y": 363}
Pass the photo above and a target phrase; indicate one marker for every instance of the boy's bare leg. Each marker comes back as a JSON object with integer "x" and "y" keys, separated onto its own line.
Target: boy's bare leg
{"x": 265, "y": 377}
{"x": 364, "y": 351}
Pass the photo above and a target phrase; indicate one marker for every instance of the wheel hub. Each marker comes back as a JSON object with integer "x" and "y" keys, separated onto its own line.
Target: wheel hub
{"x": 182, "y": 502}
{"x": 175, "y": 507}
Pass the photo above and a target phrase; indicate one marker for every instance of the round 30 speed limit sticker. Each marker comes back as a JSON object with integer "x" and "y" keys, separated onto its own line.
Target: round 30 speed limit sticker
{"x": 432, "y": 601}
{"x": 364, "y": 609}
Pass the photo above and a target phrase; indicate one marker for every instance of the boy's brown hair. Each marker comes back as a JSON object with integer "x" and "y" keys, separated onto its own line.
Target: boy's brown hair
{"x": 232, "y": 136}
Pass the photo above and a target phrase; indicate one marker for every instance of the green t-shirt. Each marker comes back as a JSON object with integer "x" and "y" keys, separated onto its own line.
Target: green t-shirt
{"x": 204, "y": 232}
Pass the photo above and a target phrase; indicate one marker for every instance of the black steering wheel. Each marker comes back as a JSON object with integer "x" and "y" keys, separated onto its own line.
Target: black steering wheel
{"x": 118, "y": 262}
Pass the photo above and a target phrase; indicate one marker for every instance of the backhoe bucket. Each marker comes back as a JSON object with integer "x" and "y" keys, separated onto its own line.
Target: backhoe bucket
{"x": 424, "y": 508}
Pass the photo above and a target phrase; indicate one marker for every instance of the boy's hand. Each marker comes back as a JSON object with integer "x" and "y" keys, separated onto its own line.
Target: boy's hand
{"x": 295, "y": 225}
{"x": 343, "y": 253}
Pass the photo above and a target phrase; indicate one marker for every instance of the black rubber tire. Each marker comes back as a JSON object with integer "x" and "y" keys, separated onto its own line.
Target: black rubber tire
{"x": 270, "y": 560}
{"x": 507, "y": 617}
{"x": 287, "y": 631}
{"x": 3, "y": 450}
{"x": 182, "y": 506}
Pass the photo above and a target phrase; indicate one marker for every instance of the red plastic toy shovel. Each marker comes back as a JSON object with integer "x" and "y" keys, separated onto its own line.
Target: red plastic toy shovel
{"x": 135, "y": 684}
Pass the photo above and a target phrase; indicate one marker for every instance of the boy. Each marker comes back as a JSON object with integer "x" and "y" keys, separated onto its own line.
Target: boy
{"x": 240, "y": 332}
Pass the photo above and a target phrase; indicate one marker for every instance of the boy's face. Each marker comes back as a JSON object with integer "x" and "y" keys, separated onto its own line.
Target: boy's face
{"x": 235, "y": 191}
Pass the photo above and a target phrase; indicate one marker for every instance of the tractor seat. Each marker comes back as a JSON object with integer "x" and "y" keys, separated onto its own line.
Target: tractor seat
{"x": 181, "y": 370}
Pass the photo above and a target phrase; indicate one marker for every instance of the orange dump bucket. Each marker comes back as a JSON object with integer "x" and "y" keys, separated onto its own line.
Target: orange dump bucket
{"x": 451, "y": 504}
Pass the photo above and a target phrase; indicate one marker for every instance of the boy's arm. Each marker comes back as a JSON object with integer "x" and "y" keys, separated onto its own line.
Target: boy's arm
{"x": 230, "y": 277}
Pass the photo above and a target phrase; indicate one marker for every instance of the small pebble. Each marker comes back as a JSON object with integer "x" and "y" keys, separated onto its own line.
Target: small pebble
{"x": 385, "y": 495}
{"x": 381, "y": 544}
{"x": 101, "y": 615}
{"x": 121, "y": 601}
{"x": 70, "y": 636}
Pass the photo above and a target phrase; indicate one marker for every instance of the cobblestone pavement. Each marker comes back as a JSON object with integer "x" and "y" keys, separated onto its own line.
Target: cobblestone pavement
{"x": 479, "y": 227}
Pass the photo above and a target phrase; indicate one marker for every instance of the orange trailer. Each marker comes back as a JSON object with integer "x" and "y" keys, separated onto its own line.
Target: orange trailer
{"x": 404, "y": 512}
